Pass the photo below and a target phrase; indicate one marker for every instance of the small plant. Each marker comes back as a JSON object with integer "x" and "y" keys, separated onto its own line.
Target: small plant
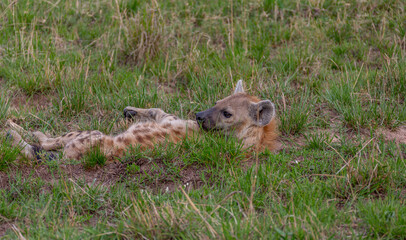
{"x": 295, "y": 120}
{"x": 345, "y": 100}
{"x": 133, "y": 168}
{"x": 360, "y": 110}
{"x": 94, "y": 157}
{"x": 72, "y": 99}
{"x": 40, "y": 80}
{"x": 135, "y": 153}
{"x": 318, "y": 141}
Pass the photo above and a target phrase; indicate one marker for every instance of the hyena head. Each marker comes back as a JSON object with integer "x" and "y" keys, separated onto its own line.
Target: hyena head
{"x": 237, "y": 112}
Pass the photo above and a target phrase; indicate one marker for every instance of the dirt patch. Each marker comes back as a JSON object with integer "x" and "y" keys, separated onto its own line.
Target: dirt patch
{"x": 399, "y": 136}
{"x": 291, "y": 142}
{"x": 4, "y": 227}
{"x": 37, "y": 101}
{"x": 157, "y": 176}
{"x": 150, "y": 174}
{"x": 169, "y": 89}
{"x": 374, "y": 58}
{"x": 106, "y": 175}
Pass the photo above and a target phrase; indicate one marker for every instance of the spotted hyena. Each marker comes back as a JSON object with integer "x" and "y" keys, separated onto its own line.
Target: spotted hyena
{"x": 246, "y": 117}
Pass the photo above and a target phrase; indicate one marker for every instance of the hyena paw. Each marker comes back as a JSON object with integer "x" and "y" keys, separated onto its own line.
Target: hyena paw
{"x": 130, "y": 113}
{"x": 40, "y": 136}
{"x": 143, "y": 114}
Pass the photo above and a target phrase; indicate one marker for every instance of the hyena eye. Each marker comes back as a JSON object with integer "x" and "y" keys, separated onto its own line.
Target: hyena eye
{"x": 227, "y": 114}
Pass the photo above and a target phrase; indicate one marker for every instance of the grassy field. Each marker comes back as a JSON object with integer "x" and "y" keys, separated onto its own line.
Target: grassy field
{"x": 336, "y": 71}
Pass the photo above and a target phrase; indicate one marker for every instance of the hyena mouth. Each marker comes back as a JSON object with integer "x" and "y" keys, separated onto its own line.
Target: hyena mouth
{"x": 205, "y": 127}
{"x": 202, "y": 125}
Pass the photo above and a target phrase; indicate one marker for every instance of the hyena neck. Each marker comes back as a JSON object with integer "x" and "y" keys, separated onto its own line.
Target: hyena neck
{"x": 269, "y": 138}
{"x": 259, "y": 138}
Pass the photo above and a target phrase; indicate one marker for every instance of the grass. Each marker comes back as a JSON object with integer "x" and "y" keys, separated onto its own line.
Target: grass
{"x": 4, "y": 107}
{"x": 8, "y": 153}
{"x": 334, "y": 69}
{"x": 93, "y": 158}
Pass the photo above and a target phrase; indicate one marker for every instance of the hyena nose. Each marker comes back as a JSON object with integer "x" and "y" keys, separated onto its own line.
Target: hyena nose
{"x": 199, "y": 117}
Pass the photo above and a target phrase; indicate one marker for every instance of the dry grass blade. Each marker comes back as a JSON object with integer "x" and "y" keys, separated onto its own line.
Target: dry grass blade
{"x": 18, "y": 232}
{"x": 349, "y": 161}
{"x": 224, "y": 200}
{"x": 211, "y": 229}
{"x": 254, "y": 182}
{"x": 145, "y": 35}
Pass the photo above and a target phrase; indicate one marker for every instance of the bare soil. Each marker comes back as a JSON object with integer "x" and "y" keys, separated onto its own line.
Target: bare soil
{"x": 110, "y": 174}
{"x": 162, "y": 179}
{"x": 399, "y": 135}
{"x": 37, "y": 101}
{"x": 4, "y": 226}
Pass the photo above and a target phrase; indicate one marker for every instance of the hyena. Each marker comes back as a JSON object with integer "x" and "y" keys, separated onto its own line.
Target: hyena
{"x": 241, "y": 115}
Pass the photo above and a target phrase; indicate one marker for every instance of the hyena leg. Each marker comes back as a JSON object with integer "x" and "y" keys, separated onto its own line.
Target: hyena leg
{"x": 48, "y": 143}
{"x": 151, "y": 114}
{"x": 27, "y": 150}
{"x": 75, "y": 144}
{"x": 32, "y": 152}
{"x": 159, "y": 116}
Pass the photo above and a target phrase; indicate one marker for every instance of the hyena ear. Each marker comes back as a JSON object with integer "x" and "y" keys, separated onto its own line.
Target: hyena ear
{"x": 262, "y": 112}
{"x": 239, "y": 88}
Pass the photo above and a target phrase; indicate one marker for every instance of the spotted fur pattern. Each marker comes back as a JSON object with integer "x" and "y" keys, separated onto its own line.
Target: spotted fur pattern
{"x": 153, "y": 126}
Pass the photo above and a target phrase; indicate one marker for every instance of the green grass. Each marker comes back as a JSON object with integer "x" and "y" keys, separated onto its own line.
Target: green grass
{"x": 334, "y": 69}
{"x": 93, "y": 158}
{"x": 8, "y": 153}
{"x": 385, "y": 217}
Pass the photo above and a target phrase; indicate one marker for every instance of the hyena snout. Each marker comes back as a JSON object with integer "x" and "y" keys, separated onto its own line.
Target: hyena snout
{"x": 200, "y": 117}
{"x": 205, "y": 119}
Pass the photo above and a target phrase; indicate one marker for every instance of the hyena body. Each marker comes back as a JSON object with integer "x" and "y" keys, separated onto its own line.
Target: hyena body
{"x": 154, "y": 126}
{"x": 246, "y": 117}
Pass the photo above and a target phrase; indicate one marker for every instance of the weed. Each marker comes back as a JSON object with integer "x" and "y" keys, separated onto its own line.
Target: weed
{"x": 295, "y": 120}
{"x": 71, "y": 99}
{"x": 94, "y": 157}
{"x": 133, "y": 168}
{"x": 318, "y": 141}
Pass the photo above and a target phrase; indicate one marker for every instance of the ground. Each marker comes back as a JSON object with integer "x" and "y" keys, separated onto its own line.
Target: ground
{"x": 334, "y": 69}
